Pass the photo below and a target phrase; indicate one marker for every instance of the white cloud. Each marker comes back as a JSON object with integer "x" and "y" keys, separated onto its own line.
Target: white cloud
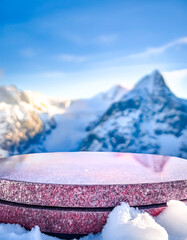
{"x": 71, "y": 58}
{"x": 176, "y": 75}
{"x": 158, "y": 50}
{"x": 177, "y": 81}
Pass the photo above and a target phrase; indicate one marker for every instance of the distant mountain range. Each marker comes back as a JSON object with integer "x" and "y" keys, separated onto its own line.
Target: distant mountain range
{"x": 147, "y": 119}
{"x": 30, "y": 122}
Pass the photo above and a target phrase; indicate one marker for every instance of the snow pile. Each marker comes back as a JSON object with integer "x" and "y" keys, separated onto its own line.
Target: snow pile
{"x": 129, "y": 223}
{"x": 174, "y": 220}
{"x": 15, "y": 232}
{"x": 124, "y": 223}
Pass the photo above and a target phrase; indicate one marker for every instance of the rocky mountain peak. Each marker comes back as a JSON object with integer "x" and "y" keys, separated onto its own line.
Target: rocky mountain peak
{"x": 152, "y": 83}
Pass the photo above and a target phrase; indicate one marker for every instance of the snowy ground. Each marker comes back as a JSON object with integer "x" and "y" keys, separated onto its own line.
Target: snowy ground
{"x": 124, "y": 223}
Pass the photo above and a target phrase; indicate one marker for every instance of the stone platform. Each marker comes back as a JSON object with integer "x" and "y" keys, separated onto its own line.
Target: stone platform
{"x": 73, "y": 193}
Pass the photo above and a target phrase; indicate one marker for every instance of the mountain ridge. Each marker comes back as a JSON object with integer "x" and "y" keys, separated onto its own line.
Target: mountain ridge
{"x": 147, "y": 119}
{"x": 28, "y": 120}
{"x": 140, "y": 119}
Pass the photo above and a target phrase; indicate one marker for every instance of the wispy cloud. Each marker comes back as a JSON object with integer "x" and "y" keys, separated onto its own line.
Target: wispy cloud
{"x": 28, "y": 52}
{"x": 53, "y": 74}
{"x": 72, "y": 58}
{"x": 106, "y": 39}
{"x": 158, "y": 50}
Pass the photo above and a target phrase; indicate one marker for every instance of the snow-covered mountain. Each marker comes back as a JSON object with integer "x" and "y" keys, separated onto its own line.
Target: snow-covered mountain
{"x": 147, "y": 119}
{"x": 79, "y": 116}
{"x": 27, "y": 118}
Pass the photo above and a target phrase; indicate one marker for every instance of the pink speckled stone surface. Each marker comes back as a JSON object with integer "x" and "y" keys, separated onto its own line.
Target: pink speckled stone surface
{"x": 91, "y": 180}
{"x": 60, "y": 220}
{"x": 73, "y": 193}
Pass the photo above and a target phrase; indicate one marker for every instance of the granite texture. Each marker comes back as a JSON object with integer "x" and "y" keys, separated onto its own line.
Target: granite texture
{"x": 91, "y": 196}
{"x": 60, "y": 220}
{"x": 92, "y": 180}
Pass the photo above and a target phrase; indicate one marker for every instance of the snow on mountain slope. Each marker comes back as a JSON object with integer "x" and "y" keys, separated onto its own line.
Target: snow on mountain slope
{"x": 99, "y": 102}
{"x": 25, "y": 118}
{"x": 72, "y": 125}
{"x": 148, "y": 119}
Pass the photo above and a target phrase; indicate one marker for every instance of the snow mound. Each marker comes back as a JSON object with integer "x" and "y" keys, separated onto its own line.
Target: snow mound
{"x": 15, "y": 232}
{"x": 174, "y": 220}
{"x": 129, "y": 223}
{"x": 124, "y": 223}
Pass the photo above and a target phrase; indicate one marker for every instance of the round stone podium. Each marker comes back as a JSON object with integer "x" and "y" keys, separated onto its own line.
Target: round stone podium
{"x": 73, "y": 193}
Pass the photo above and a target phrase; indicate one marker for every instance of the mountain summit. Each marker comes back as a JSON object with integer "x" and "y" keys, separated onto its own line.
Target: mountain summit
{"x": 151, "y": 82}
{"x": 147, "y": 119}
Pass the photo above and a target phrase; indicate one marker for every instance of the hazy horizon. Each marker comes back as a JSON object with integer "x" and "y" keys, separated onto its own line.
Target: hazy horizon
{"x": 171, "y": 84}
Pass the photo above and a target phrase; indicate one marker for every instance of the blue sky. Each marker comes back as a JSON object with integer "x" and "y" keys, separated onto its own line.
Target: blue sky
{"x": 75, "y": 48}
